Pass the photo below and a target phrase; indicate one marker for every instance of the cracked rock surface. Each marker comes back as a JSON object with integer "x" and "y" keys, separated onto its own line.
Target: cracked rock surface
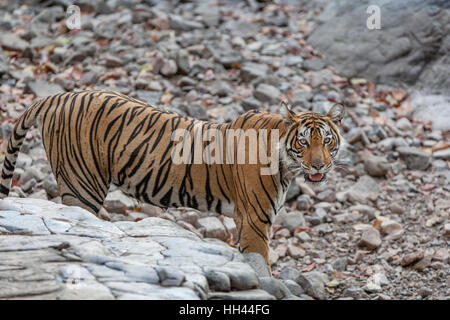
{"x": 52, "y": 251}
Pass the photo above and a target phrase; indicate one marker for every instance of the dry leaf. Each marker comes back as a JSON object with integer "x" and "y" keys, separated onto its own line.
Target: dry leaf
{"x": 309, "y": 268}
{"x": 377, "y": 224}
{"x": 166, "y": 97}
{"x": 236, "y": 65}
{"x": 301, "y": 229}
{"x": 398, "y": 94}
{"x": 329, "y": 289}
{"x": 358, "y": 81}
{"x": 440, "y": 146}
{"x": 76, "y": 73}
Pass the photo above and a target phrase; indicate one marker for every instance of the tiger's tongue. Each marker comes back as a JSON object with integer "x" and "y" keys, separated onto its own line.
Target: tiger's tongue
{"x": 316, "y": 177}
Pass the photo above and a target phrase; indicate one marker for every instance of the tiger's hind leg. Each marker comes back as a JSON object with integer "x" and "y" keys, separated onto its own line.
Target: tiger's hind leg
{"x": 83, "y": 195}
{"x": 253, "y": 236}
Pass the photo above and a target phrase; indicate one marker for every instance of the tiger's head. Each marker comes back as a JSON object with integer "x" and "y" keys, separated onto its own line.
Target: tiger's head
{"x": 312, "y": 142}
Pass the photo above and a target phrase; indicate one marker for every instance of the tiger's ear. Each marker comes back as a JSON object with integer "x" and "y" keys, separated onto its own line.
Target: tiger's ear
{"x": 289, "y": 115}
{"x": 336, "y": 113}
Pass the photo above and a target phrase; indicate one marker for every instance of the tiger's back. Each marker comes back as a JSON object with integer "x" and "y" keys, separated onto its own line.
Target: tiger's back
{"x": 94, "y": 139}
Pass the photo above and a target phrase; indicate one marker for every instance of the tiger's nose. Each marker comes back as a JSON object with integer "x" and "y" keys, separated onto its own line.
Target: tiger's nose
{"x": 318, "y": 166}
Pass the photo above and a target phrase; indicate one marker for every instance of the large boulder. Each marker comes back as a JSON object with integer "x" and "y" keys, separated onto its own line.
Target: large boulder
{"x": 410, "y": 48}
{"x": 52, "y": 251}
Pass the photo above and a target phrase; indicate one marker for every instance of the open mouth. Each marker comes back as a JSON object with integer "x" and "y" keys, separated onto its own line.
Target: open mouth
{"x": 318, "y": 177}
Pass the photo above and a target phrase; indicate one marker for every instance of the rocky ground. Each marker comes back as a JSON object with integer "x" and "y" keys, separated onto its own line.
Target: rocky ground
{"x": 378, "y": 229}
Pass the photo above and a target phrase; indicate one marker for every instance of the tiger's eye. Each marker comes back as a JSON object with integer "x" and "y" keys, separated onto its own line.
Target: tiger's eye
{"x": 303, "y": 142}
{"x": 327, "y": 140}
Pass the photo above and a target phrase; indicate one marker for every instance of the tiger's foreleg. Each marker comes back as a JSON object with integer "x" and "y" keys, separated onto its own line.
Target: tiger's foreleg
{"x": 253, "y": 236}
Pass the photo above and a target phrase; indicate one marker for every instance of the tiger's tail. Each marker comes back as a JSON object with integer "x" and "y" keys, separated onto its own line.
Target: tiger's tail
{"x": 25, "y": 122}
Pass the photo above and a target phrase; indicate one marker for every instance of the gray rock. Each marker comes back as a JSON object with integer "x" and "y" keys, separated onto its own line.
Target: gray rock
{"x": 40, "y": 194}
{"x": 250, "y": 71}
{"x": 196, "y": 111}
{"x": 431, "y": 108}
{"x": 313, "y": 283}
{"x": 210, "y": 14}
{"x": 364, "y": 189}
{"x": 51, "y": 15}
{"x": 11, "y": 41}
{"x": 213, "y": 228}
{"x": 294, "y": 287}
{"x": 151, "y": 97}
{"x": 242, "y": 276}
{"x": 376, "y": 166}
{"x": 314, "y": 64}
{"x": 258, "y": 263}
{"x": 370, "y": 238}
{"x": 169, "y": 68}
{"x": 289, "y": 273}
{"x": 220, "y": 88}
{"x": 22, "y": 224}
{"x": 396, "y": 208}
{"x": 275, "y": 287}
{"x": 179, "y": 23}
{"x": 292, "y": 220}
{"x": 50, "y": 186}
{"x": 318, "y": 78}
{"x": 118, "y": 202}
{"x": 389, "y": 56}
{"x": 301, "y": 97}
{"x": 31, "y": 173}
{"x": 112, "y": 61}
{"x": 372, "y": 287}
{"x": 154, "y": 227}
{"x": 255, "y": 294}
{"x": 355, "y": 293}
{"x": 322, "y": 229}
{"x": 364, "y": 209}
{"x": 304, "y": 202}
{"x": 4, "y": 67}
{"x": 340, "y": 264}
{"x": 391, "y": 229}
{"x": 327, "y": 195}
{"x": 250, "y": 104}
{"x": 42, "y": 88}
{"x": 9, "y": 289}
{"x": 150, "y": 291}
{"x": 149, "y": 259}
{"x": 89, "y": 77}
{"x": 293, "y": 191}
{"x": 414, "y": 158}
{"x": 447, "y": 229}
{"x": 170, "y": 276}
{"x": 40, "y": 42}
{"x": 295, "y": 251}
{"x": 242, "y": 28}
{"x": 391, "y": 143}
{"x": 404, "y": 124}
{"x": 86, "y": 290}
{"x": 442, "y": 154}
{"x": 266, "y": 93}
{"x": 145, "y": 274}
{"x": 218, "y": 281}
{"x": 183, "y": 62}
{"x": 410, "y": 258}
{"x": 318, "y": 216}
{"x": 303, "y": 236}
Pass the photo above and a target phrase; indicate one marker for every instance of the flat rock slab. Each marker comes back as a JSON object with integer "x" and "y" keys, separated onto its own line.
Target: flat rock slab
{"x": 53, "y": 251}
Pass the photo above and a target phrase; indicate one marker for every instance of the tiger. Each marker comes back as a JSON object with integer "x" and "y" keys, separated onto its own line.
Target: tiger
{"x": 97, "y": 138}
